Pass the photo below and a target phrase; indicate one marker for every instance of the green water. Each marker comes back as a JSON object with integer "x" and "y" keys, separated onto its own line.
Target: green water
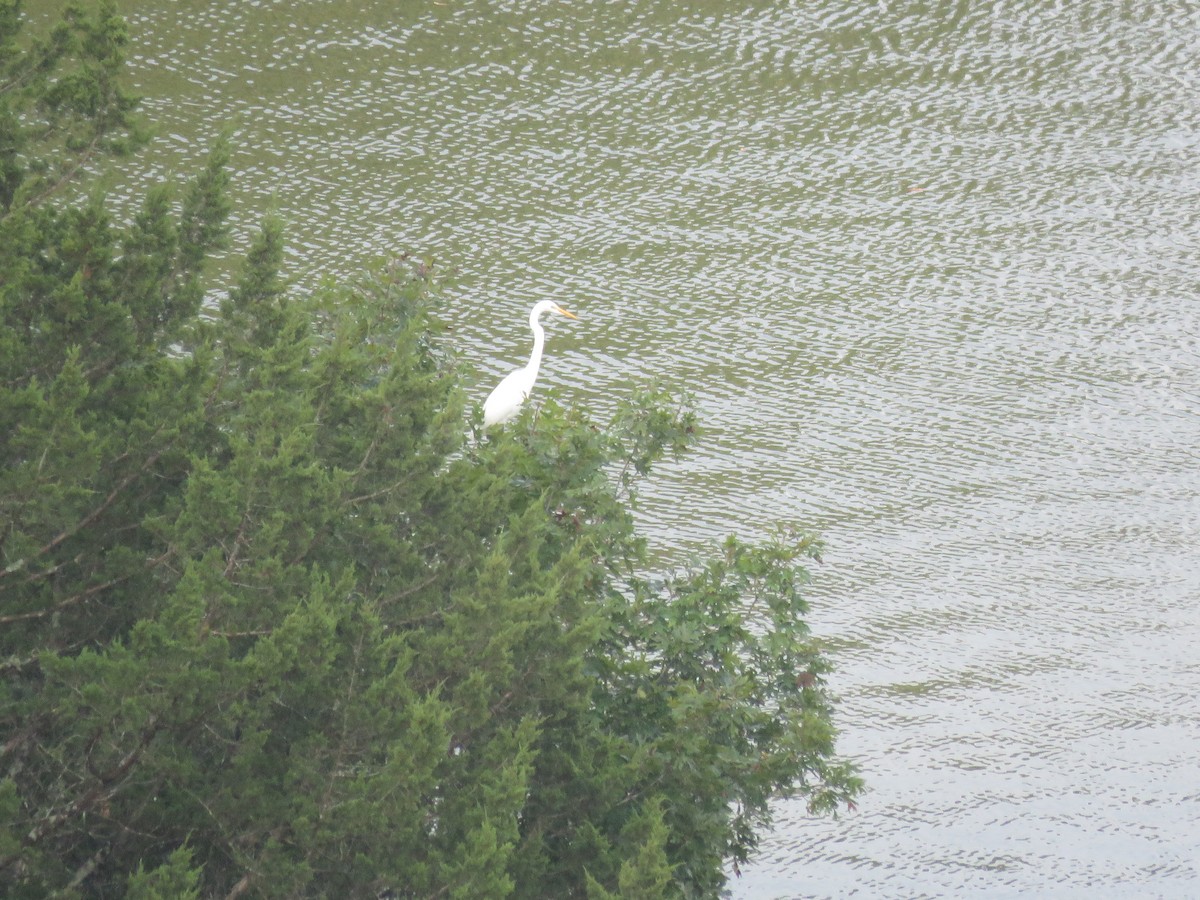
{"x": 931, "y": 272}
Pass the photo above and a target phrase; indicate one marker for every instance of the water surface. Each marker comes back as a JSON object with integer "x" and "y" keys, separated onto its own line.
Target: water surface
{"x": 931, "y": 272}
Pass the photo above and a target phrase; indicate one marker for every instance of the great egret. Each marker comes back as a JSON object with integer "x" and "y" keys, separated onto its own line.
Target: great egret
{"x": 505, "y": 401}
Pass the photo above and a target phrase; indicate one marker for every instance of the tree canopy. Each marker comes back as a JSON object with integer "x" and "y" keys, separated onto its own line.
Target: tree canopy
{"x": 278, "y": 620}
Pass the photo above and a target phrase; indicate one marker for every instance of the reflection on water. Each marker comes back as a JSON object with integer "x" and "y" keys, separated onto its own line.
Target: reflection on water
{"x": 931, "y": 271}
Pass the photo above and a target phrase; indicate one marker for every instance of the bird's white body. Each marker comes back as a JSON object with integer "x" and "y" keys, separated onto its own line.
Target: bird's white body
{"x": 505, "y": 400}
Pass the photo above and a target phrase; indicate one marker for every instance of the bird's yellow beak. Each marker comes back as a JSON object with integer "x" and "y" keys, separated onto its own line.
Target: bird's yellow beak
{"x": 567, "y": 313}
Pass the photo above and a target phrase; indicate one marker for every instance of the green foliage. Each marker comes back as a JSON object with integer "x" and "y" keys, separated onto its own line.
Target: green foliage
{"x": 175, "y": 879}
{"x": 706, "y": 690}
{"x": 276, "y": 621}
{"x": 62, "y": 105}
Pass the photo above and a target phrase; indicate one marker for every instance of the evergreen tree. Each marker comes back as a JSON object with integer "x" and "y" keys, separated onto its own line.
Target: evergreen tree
{"x": 272, "y": 625}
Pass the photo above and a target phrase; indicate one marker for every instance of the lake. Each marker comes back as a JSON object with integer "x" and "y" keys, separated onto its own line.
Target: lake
{"x": 932, "y": 273}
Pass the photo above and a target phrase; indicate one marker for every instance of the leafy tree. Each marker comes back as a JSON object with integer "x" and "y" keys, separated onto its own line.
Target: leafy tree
{"x": 277, "y": 620}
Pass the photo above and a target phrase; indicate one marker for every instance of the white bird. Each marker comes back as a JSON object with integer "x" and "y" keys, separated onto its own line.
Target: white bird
{"x": 505, "y": 401}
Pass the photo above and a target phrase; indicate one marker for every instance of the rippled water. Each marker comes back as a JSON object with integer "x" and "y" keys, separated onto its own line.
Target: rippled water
{"x": 931, "y": 270}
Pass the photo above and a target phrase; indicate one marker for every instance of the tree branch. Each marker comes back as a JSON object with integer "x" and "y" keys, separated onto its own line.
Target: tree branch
{"x": 52, "y": 821}
{"x": 62, "y": 604}
{"x": 91, "y": 517}
{"x": 86, "y": 869}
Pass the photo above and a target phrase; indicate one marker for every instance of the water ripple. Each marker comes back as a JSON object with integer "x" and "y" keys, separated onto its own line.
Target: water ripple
{"x": 931, "y": 279}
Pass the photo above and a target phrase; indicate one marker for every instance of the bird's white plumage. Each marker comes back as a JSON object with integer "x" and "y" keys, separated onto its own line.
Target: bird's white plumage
{"x": 505, "y": 400}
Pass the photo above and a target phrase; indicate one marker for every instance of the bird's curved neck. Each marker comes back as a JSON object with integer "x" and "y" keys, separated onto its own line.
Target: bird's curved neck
{"x": 539, "y": 341}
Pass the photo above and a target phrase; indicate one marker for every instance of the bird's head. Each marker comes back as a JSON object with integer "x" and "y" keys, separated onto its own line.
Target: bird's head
{"x": 546, "y": 306}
